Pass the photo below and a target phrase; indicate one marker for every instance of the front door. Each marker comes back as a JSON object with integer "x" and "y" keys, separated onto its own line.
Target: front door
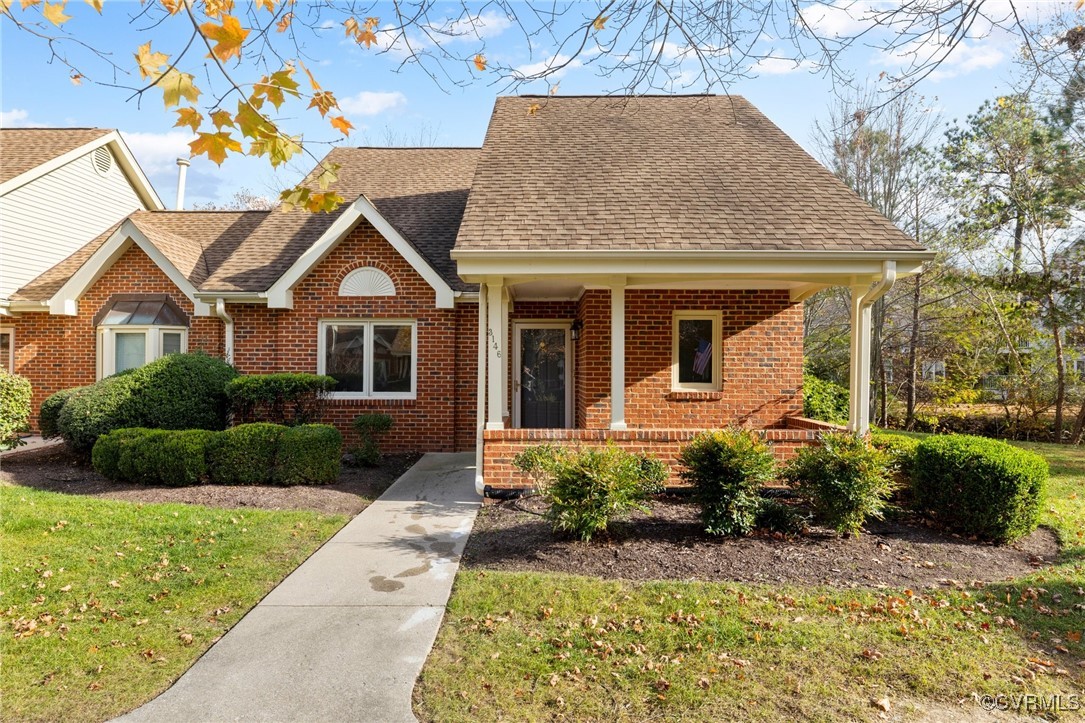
{"x": 542, "y": 395}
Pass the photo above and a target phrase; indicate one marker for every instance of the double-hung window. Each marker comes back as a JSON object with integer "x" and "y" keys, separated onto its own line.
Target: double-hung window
{"x": 369, "y": 359}
{"x": 133, "y": 332}
{"x": 697, "y": 351}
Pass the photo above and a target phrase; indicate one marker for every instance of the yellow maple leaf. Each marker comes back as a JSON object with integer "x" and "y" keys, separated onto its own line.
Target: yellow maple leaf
{"x": 323, "y": 101}
{"x": 480, "y": 62}
{"x": 54, "y": 13}
{"x": 215, "y": 146}
{"x": 351, "y": 26}
{"x": 150, "y": 62}
{"x": 329, "y": 174}
{"x": 278, "y": 148}
{"x": 372, "y": 22}
{"x": 268, "y": 5}
{"x": 274, "y": 87}
{"x": 366, "y": 37}
{"x": 312, "y": 81}
{"x": 172, "y": 6}
{"x": 188, "y": 117}
{"x": 228, "y": 37}
{"x": 176, "y": 85}
{"x": 533, "y": 109}
{"x": 29, "y": 3}
{"x": 221, "y": 118}
{"x": 601, "y": 22}
{"x": 251, "y": 123}
{"x": 96, "y": 4}
{"x": 341, "y": 124}
{"x": 76, "y": 78}
{"x": 283, "y": 24}
{"x": 215, "y": 8}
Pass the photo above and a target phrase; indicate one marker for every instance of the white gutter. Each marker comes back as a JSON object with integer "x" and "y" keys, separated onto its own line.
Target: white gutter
{"x": 480, "y": 404}
{"x": 885, "y": 285}
{"x": 228, "y": 324}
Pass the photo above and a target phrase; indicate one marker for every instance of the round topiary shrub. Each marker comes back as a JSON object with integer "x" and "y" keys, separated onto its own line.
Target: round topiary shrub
{"x": 309, "y": 454}
{"x": 978, "y": 486}
{"x": 107, "y": 452}
{"x": 178, "y": 391}
{"x": 245, "y": 455}
{"x": 727, "y": 469}
{"x": 15, "y": 393}
{"x": 901, "y": 450}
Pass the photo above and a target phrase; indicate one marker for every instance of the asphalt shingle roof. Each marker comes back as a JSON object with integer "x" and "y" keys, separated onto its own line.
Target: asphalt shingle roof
{"x": 657, "y": 173}
{"x": 22, "y": 149}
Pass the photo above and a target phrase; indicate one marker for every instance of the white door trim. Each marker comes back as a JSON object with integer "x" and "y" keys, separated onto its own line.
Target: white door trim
{"x": 517, "y": 326}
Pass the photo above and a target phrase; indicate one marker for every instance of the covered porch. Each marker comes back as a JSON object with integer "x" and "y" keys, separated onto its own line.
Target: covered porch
{"x": 658, "y": 349}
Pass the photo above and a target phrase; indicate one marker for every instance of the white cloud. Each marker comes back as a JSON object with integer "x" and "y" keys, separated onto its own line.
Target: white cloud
{"x": 157, "y": 153}
{"x": 16, "y": 118}
{"x": 967, "y": 58}
{"x": 562, "y": 63}
{"x": 368, "y": 103}
{"x": 837, "y": 19}
{"x": 476, "y": 27}
{"x": 780, "y": 66}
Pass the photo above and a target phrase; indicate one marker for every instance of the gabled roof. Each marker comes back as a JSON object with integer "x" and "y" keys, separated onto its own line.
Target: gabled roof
{"x": 28, "y": 153}
{"x": 657, "y": 173}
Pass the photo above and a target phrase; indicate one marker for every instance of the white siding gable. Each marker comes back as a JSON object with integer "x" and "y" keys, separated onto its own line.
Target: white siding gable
{"x": 51, "y": 217}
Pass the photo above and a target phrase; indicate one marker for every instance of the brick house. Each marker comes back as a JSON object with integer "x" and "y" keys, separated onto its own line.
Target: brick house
{"x": 626, "y": 269}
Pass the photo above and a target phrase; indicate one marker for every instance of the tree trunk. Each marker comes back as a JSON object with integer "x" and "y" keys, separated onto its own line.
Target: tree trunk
{"x": 1060, "y": 368}
{"x": 913, "y": 355}
{"x": 1079, "y": 425}
{"x": 877, "y": 360}
{"x": 1018, "y": 241}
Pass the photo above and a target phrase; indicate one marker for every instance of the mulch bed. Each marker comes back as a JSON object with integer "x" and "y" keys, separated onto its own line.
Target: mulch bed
{"x": 669, "y": 544}
{"x": 57, "y": 470}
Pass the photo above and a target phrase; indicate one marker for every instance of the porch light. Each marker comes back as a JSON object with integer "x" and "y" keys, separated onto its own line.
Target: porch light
{"x": 575, "y": 329}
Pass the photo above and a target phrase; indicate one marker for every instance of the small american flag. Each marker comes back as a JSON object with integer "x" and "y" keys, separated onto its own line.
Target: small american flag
{"x": 702, "y": 358}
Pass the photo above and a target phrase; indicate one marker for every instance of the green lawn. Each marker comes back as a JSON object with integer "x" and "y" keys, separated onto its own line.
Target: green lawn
{"x": 543, "y": 646}
{"x": 105, "y": 603}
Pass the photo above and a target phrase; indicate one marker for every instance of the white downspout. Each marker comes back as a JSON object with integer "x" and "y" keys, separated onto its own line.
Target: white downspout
{"x": 480, "y": 482}
{"x": 859, "y": 381}
{"x": 228, "y": 324}
{"x": 182, "y": 169}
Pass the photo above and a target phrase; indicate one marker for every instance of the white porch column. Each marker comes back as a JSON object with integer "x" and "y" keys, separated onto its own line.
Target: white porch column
{"x": 495, "y": 353}
{"x": 617, "y": 355}
{"x": 480, "y": 407}
{"x": 506, "y": 353}
{"x": 859, "y": 374}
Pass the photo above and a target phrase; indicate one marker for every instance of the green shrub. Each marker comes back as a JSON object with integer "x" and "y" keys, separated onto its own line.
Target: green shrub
{"x": 901, "y": 450}
{"x": 140, "y": 457}
{"x": 845, "y": 478}
{"x": 15, "y": 395}
{"x": 309, "y": 455}
{"x": 541, "y": 461}
{"x": 590, "y": 488}
{"x": 178, "y": 391}
{"x": 245, "y": 455}
{"x": 287, "y": 398}
{"x": 182, "y": 457}
{"x": 49, "y": 412}
{"x": 727, "y": 469}
{"x": 776, "y": 516}
{"x": 979, "y": 486}
{"x": 369, "y": 427}
{"x": 824, "y": 400}
{"x": 107, "y": 452}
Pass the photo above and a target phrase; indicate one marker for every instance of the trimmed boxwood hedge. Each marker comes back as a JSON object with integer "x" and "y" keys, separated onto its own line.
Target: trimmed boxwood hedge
{"x": 288, "y": 398}
{"x": 247, "y": 454}
{"x": 900, "y": 448}
{"x": 49, "y": 412}
{"x": 979, "y": 486}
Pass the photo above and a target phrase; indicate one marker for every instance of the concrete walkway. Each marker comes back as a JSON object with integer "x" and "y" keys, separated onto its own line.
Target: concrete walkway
{"x": 344, "y": 637}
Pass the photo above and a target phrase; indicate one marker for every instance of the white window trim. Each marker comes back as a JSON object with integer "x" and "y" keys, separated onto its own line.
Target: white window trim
{"x": 716, "y": 318}
{"x": 517, "y": 370}
{"x": 9, "y": 363}
{"x": 367, "y": 360}
{"x": 107, "y": 360}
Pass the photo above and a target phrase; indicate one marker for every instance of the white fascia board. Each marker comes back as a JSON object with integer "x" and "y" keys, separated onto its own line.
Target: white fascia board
{"x": 66, "y": 300}
{"x": 232, "y": 297}
{"x": 807, "y": 266}
{"x": 127, "y": 161}
{"x": 279, "y": 296}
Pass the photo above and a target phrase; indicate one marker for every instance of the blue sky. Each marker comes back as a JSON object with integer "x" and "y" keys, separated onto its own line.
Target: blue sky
{"x": 382, "y": 99}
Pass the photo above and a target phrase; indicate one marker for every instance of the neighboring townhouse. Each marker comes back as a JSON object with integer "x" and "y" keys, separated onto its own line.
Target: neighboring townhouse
{"x": 59, "y": 189}
{"x": 642, "y": 265}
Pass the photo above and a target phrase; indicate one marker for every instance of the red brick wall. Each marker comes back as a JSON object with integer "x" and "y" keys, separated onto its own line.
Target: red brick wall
{"x": 762, "y": 360}
{"x": 59, "y": 352}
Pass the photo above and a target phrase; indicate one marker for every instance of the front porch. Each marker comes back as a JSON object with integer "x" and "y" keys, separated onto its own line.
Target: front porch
{"x": 648, "y": 360}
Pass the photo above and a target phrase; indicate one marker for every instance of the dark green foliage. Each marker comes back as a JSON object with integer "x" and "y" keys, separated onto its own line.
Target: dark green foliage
{"x": 15, "y": 395}
{"x": 824, "y": 400}
{"x": 287, "y": 398}
{"x": 776, "y": 516}
{"x": 309, "y": 455}
{"x": 900, "y": 449}
{"x": 845, "y": 478}
{"x": 49, "y": 413}
{"x": 369, "y": 427}
{"x": 178, "y": 391}
{"x": 140, "y": 458}
{"x": 181, "y": 457}
{"x": 727, "y": 469}
{"x": 107, "y": 452}
{"x": 981, "y": 487}
{"x": 245, "y": 455}
{"x": 590, "y": 488}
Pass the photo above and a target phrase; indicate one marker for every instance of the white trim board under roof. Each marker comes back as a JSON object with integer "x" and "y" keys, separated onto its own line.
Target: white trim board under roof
{"x": 129, "y": 166}
{"x": 280, "y": 295}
